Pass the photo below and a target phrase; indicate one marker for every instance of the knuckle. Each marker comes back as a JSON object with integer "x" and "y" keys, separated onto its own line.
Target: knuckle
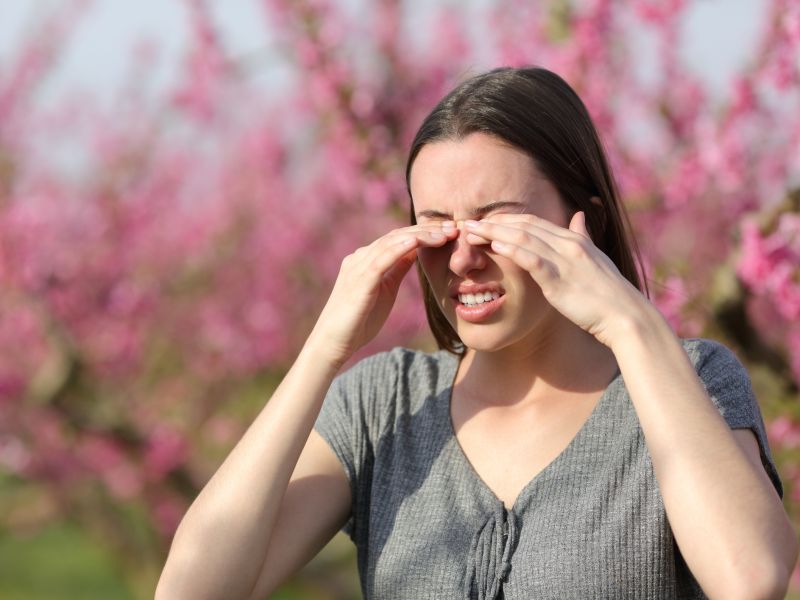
{"x": 520, "y": 237}
{"x": 578, "y": 249}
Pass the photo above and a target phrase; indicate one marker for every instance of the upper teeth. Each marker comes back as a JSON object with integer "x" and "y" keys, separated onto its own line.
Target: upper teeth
{"x": 479, "y": 298}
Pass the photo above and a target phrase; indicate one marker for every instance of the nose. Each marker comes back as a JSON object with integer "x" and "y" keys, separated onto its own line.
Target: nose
{"x": 465, "y": 257}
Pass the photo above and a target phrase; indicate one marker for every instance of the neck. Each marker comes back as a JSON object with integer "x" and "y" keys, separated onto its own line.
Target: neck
{"x": 564, "y": 361}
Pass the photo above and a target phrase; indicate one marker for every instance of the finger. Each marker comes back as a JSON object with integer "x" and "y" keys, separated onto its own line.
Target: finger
{"x": 540, "y": 268}
{"x": 382, "y": 254}
{"x": 554, "y": 238}
{"x": 427, "y": 233}
{"x": 578, "y": 224}
{"x": 385, "y": 252}
{"x": 476, "y": 240}
{"x": 377, "y": 260}
{"x": 529, "y": 219}
{"x": 568, "y": 242}
{"x": 433, "y": 237}
{"x": 446, "y": 226}
{"x": 513, "y": 235}
{"x": 395, "y": 274}
{"x": 564, "y": 244}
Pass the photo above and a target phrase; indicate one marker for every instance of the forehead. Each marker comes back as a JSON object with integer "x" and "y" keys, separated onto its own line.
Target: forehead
{"x": 458, "y": 175}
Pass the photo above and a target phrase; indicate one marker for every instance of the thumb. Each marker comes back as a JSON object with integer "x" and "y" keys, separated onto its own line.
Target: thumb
{"x": 578, "y": 224}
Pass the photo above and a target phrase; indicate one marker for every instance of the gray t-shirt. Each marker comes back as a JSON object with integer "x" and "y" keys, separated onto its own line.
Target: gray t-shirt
{"x": 590, "y": 525}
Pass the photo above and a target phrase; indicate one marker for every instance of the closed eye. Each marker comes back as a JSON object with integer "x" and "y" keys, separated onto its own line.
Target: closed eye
{"x": 499, "y": 207}
{"x": 428, "y": 216}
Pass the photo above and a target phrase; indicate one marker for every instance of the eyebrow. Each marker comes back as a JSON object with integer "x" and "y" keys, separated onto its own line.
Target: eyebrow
{"x": 477, "y": 213}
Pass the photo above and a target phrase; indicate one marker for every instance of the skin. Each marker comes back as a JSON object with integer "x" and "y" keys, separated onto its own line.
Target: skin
{"x": 263, "y": 528}
{"x": 281, "y": 493}
{"x": 529, "y": 348}
{"x": 571, "y": 307}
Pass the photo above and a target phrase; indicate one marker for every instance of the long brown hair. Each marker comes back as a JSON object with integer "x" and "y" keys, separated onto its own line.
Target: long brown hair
{"x": 536, "y": 111}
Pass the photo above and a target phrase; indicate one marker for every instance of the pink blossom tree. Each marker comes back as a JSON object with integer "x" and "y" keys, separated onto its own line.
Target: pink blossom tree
{"x": 152, "y": 295}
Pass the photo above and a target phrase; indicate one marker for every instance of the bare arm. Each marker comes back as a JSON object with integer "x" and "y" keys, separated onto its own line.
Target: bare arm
{"x": 225, "y": 546}
{"x": 220, "y": 545}
{"x": 727, "y": 518}
{"x": 316, "y": 505}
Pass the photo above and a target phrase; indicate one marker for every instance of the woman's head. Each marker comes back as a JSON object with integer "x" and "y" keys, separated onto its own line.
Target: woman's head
{"x": 537, "y": 112}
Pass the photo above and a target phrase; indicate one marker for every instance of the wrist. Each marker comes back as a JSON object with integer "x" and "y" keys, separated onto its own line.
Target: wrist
{"x": 318, "y": 350}
{"x": 644, "y": 326}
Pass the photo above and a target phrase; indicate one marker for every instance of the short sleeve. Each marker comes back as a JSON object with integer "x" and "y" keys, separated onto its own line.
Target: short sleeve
{"x": 728, "y": 385}
{"x": 351, "y": 419}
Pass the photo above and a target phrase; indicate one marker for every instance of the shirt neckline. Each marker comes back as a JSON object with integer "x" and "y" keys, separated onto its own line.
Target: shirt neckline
{"x": 585, "y": 429}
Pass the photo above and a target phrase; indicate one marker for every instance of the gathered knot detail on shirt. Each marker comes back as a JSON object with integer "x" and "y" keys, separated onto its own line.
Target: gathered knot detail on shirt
{"x": 490, "y": 555}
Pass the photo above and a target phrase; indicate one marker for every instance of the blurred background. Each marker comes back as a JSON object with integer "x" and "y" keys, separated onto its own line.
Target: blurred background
{"x": 180, "y": 180}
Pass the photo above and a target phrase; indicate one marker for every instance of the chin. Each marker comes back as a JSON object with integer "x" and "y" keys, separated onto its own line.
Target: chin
{"x": 485, "y": 341}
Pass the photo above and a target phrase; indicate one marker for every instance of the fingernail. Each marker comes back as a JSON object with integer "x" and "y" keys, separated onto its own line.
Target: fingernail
{"x": 436, "y": 235}
{"x": 448, "y": 225}
{"x": 471, "y": 224}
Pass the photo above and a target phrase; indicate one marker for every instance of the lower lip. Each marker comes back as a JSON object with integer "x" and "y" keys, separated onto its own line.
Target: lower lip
{"x": 478, "y": 312}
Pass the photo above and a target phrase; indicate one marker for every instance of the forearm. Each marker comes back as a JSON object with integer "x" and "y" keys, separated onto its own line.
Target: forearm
{"x": 727, "y": 519}
{"x": 220, "y": 545}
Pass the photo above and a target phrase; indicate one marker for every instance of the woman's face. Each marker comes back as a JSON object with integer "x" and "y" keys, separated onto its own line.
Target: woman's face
{"x": 474, "y": 178}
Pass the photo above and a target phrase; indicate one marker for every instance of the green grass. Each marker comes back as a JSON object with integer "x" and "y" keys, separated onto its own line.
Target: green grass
{"x": 63, "y": 562}
{"x": 57, "y": 562}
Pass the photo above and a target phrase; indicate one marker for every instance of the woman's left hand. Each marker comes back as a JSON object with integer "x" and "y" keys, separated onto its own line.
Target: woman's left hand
{"x": 576, "y": 278}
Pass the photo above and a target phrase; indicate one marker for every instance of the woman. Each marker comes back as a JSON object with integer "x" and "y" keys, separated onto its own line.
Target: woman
{"x": 564, "y": 443}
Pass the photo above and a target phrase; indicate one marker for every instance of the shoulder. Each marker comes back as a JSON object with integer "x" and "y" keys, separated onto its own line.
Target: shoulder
{"x": 713, "y": 360}
{"x": 728, "y": 385}
{"x": 717, "y": 365}
{"x": 401, "y": 364}
{"x": 700, "y": 349}
{"x": 726, "y": 380}
{"x": 381, "y": 388}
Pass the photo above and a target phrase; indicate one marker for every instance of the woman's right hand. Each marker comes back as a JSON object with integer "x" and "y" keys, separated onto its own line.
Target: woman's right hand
{"x": 366, "y": 287}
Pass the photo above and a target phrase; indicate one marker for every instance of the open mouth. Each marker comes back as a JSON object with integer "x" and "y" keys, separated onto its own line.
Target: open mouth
{"x": 478, "y": 299}
{"x": 477, "y": 307}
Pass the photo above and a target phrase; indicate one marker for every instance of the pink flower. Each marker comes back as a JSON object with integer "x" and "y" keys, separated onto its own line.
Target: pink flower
{"x": 793, "y": 345}
{"x": 166, "y": 449}
{"x": 14, "y": 456}
{"x": 755, "y": 264}
{"x": 785, "y": 287}
{"x": 180, "y": 254}
{"x": 784, "y": 432}
{"x": 791, "y": 23}
{"x": 671, "y": 299}
{"x": 658, "y": 13}
{"x": 168, "y": 512}
{"x": 123, "y": 481}
{"x": 744, "y": 99}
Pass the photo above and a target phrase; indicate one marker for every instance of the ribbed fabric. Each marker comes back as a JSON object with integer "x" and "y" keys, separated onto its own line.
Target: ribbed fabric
{"x": 590, "y": 525}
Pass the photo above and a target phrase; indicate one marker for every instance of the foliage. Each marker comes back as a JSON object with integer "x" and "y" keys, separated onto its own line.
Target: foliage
{"x": 155, "y": 287}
